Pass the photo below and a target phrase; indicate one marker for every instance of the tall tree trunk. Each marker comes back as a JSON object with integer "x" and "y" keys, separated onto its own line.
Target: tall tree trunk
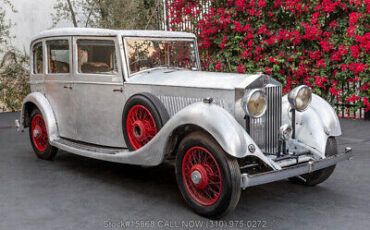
{"x": 103, "y": 13}
{"x": 73, "y": 15}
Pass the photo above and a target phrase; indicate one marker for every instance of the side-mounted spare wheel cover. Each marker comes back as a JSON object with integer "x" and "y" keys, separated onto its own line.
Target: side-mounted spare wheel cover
{"x": 143, "y": 116}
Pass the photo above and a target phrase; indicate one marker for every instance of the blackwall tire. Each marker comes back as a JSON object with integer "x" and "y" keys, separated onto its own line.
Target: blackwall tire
{"x": 205, "y": 196}
{"x": 319, "y": 176}
{"x": 39, "y": 137}
{"x": 143, "y": 116}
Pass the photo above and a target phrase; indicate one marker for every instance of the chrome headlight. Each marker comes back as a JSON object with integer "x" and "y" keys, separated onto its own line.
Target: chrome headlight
{"x": 254, "y": 103}
{"x": 300, "y": 97}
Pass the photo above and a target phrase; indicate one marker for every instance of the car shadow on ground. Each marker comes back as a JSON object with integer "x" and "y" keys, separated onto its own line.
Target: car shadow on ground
{"x": 162, "y": 179}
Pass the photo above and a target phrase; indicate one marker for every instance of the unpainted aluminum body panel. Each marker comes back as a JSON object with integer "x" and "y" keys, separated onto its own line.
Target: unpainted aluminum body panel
{"x": 98, "y": 106}
{"x": 46, "y": 110}
{"x": 194, "y": 79}
{"x": 314, "y": 125}
{"x": 229, "y": 134}
{"x": 58, "y": 91}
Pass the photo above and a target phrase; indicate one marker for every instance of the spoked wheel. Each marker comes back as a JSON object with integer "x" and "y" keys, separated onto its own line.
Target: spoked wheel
{"x": 140, "y": 126}
{"x": 207, "y": 177}
{"x": 143, "y": 116}
{"x": 201, "y": 175}
{"x": 39, "y": 137}
{"x": 39, "y": 134}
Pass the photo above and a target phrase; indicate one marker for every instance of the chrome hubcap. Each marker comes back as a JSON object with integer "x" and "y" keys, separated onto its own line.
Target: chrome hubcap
{"x": 196, "y": 177}
{"x": 36, "y": 133}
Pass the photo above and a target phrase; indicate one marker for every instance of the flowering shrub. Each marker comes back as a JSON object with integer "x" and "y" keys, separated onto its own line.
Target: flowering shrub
{"x": 324, "y": 44}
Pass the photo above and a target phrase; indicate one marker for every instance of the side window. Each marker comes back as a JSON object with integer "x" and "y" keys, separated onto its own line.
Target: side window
{"x": 38, "y": 59}
{"x": 96, "y": 56}
{"x": 58, "y": 55}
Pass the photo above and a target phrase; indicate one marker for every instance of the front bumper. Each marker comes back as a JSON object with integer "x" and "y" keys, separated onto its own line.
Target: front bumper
{"x": 292, "y": 171}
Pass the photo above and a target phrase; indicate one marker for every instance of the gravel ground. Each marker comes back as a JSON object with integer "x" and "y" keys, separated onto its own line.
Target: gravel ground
{"x": 74, "y": 192}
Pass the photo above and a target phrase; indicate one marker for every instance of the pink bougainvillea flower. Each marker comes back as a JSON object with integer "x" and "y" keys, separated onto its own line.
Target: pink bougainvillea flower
{"x": 353, "y": 98}
{"x": 240, "y": 69}
{"x": 219, "y": 66}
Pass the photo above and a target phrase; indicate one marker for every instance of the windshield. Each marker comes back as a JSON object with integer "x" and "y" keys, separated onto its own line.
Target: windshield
{"x": 144, "y": 53}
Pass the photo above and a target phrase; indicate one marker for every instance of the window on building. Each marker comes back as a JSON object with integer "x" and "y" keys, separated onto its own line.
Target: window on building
{"x": 38, "y": 59}
{"x": 58, "y": 54}
{"x": 96, "y": 56}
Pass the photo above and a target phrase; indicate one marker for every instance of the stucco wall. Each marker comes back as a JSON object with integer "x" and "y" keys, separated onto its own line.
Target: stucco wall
{"x": 32, "y": 16}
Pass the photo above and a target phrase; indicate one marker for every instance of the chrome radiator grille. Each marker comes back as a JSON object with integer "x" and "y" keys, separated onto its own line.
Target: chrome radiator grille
{"x": 265, "y": 130}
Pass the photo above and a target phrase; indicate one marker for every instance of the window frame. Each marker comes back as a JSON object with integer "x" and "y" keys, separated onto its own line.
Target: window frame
{"x": 33, "y": 57}
{"x": 69, "y": 39}
{"x": 156, "y": 39}
{"x": 117, "y": 72}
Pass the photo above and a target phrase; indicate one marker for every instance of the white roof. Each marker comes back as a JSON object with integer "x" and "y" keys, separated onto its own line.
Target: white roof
{"x": 107, "y": 32}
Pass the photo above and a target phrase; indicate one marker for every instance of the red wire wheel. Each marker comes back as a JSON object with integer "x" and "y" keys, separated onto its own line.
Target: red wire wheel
{"x": 201, "y": 176}
{"x": 140, "y": 126}
{"x": 39, "y": 133}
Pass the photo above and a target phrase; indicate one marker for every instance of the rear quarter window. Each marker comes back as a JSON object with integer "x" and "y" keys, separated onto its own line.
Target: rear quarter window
{"x": 38, "y": 59}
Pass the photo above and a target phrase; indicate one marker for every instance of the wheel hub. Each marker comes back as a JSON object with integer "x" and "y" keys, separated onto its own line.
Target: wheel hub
{"x": 139, "y": 130}
{"x": 196, "y": 177}
{"x": 36, "y": 132}
{"x": 199, "y": 177}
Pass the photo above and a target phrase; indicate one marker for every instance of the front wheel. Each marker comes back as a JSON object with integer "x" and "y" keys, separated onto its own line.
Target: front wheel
{"x": 207, "y": 177}
{"x": 39, "y": 137}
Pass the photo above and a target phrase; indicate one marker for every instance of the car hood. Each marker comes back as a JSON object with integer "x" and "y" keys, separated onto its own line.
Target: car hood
{"x": 194, "y": 79}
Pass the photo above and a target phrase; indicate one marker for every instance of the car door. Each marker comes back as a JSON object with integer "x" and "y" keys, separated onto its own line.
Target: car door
{"x": 98, "y": 91}
{"x": 59, "y": 84}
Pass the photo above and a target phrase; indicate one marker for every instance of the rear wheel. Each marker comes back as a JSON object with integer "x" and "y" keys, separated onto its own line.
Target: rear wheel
{"x": 207, "y": 177}
{"x": 39, "y": 137}
{"x": 319, "y": 176}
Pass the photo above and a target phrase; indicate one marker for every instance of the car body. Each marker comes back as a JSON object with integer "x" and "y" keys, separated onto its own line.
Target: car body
{"x": 90, "y": 87}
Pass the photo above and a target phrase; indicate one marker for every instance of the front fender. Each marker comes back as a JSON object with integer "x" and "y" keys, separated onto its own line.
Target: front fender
{"x": 219, "y": 123}
{"x": 40, "y": 101}
{"x": 315, "y": 124}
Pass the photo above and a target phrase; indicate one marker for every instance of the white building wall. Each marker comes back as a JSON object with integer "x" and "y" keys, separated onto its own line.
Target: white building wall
{"x": 32, "y": 17}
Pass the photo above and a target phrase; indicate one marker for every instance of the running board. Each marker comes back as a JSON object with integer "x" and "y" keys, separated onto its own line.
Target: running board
{"x": 90, "y": 147}
{"x": 118, "y": 155}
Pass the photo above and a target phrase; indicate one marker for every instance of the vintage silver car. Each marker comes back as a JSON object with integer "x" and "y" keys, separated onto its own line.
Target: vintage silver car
{"x": 140, "y": 97}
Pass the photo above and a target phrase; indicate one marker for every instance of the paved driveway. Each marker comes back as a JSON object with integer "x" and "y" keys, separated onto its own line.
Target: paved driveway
{"x": 73, "y": 192}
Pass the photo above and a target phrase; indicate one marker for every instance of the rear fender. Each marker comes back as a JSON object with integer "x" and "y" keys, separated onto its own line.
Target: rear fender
{"x": 40, "y": 101}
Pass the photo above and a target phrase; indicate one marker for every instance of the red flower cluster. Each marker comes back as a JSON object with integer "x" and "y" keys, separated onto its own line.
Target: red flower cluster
{"x": 324, "y": 44}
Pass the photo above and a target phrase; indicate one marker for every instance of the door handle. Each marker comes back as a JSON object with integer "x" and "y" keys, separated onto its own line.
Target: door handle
{"x": 67, "y": 87}
{"x": 118, "y": 90}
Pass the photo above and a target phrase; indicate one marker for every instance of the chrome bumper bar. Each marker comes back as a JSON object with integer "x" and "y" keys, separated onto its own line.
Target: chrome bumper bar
{"x": 292, "y": 171}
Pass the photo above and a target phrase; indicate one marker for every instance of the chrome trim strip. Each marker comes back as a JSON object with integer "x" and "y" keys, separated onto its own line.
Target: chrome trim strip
{"x": 267, "y": 177}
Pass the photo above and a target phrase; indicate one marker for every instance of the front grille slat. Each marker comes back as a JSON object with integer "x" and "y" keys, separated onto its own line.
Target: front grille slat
{"x": 265, "y": 130}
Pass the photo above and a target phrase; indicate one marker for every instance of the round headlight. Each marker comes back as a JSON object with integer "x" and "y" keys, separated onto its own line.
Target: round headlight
{"x": 300, "y": 97}
{"x": 255, "y": 103}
